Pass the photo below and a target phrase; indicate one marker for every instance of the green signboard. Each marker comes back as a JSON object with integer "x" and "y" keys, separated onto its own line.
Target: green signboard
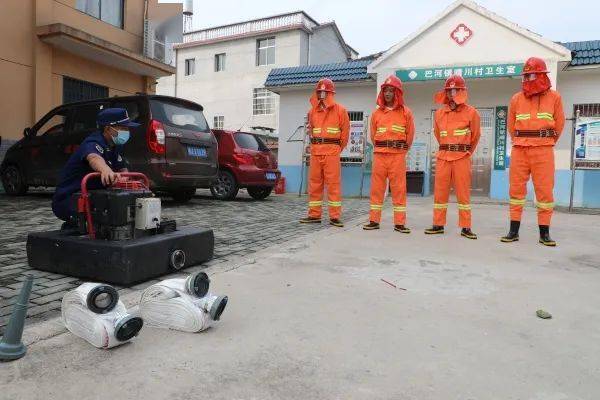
{"x": 500, "y": 141}
{"x": 467, "y": 72}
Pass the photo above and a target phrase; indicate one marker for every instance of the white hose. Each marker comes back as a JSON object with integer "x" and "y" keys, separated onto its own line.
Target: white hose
{"x": 167, "y": 305}
{"x": 97, "y": 329}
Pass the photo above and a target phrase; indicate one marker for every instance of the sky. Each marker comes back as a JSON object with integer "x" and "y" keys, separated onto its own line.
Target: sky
{"x": 370, "y": 26}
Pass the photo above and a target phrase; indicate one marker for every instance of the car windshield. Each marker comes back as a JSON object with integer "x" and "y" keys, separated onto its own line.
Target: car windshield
{"x": 249, "y": 141}
{"x": 179, "y": 115}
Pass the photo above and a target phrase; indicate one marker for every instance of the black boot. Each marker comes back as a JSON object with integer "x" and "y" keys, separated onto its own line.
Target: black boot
{"x": 436, "y": 229}
{"x": 513, "y": 233}
{"x": 545, "y": 236}
{"x": 401, "y": 229}
{"x": 371, "y": 226}
{"x": 336, "y": 222}
{"x": 468, "y": 233}
{"x": 310, "y": 220}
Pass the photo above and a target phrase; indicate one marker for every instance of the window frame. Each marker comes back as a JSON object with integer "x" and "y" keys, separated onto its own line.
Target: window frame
{"x": 187, "y": 63}
{"x": 216, "y": 118}
{"x": 266, "y": 49}
{"x": 51, "y": 114}
{"x": 267, "y": 96}
{"x": 218, "y": 66}
{"x": 99, "y": 17}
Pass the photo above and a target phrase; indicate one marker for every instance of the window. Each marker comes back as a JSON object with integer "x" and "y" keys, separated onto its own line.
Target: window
{"x": 132, "y": 107}
{"x": 179, "y": 115}
{"x": 262, "y": 102}
{"x": 265, "y": 51}
{"x": 76, "y": 90}
{"x": 249, "y": 141}
{"x": 54, "y": 123}
{"x": 219, "y": 62}
{"x": 355, "y": 115}
{"x": 110, "y": 11}
{"x": 84, "y": 117}
{"x": 190, "y": 66}
{"x": 219, "y": 122}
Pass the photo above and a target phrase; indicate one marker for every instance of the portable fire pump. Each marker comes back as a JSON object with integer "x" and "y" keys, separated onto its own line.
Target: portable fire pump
{"x": 121, "y": 237}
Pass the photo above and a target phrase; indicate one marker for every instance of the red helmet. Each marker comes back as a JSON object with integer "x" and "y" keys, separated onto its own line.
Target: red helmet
{"x": 455, "y": 82}
{"x": 326, "y": 85}
{"x": 392, "y": 81}
{"x": 535, "y": 65}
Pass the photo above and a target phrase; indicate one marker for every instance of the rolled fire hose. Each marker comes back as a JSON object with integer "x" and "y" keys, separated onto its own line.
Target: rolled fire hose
{"x": 94, "y": 312}
{"x": 182, "y": 304}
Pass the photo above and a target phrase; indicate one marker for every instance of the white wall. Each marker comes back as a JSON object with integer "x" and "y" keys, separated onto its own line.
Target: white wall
{"x": 229, "y": 92}
{"x": 304, "y": 43}
{"x": 575, "y": 87}
{"x": 294, "y": 104}
{"x": 325, "y": 47}
{"x": 491, "y": 43}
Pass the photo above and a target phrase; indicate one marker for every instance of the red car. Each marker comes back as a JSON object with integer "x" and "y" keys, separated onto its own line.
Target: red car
{"x": 245, "y": 162}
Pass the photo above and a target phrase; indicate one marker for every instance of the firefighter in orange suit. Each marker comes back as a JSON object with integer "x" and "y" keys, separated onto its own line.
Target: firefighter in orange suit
{"x": 392, "y": 133}
{"x": 329, "y": 129}
{"x": 535, "y": 122}
{"x": 457, "y": 129}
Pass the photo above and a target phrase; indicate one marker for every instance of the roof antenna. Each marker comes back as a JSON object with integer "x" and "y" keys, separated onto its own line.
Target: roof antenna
{"x": 240, "y": 128}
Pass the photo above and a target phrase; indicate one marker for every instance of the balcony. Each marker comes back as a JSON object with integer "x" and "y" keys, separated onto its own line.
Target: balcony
{"x": 101, "y": 51}
{"x": 297, "y": 20}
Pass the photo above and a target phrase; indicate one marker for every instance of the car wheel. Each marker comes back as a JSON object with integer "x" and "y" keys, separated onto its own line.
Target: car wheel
{"x": 183, "y": 195}
{"x": 225, "y": 187}
{"x": 260, "y": 192}
{"x": 13, "y": 182}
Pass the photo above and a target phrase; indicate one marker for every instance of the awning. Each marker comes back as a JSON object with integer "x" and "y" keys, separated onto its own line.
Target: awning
{"x": 99, "y": 50}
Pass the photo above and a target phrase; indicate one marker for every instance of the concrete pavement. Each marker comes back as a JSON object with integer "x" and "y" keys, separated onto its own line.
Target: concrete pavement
{"x": 244, "y": 226}
{"x": 312, "y": 319}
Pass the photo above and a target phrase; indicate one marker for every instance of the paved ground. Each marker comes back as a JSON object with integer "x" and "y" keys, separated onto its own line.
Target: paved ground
{"x": 312, "y": 319}
{"x": 241, "y": 227}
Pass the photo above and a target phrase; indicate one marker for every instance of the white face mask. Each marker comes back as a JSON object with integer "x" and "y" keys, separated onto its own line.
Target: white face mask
{"x": 321, "y": 95}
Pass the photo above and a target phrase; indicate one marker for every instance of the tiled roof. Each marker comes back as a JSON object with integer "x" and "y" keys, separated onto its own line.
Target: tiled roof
{"x": 584, "y": 53}
{"x": 340, "y": 72}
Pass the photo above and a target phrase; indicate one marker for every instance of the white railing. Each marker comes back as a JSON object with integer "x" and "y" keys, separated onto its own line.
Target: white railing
{"x": 244, "y": 28}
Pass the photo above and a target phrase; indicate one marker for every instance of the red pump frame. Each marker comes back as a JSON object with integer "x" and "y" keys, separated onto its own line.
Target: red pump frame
{"x": 83, "y": 204}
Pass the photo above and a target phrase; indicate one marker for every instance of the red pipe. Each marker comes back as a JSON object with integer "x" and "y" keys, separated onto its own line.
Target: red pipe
{"x": 86, "y": 197}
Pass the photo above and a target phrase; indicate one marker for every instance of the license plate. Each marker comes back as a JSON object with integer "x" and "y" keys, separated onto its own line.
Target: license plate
{"x": 271, "y": 176}
{"x": 196, "y": 151}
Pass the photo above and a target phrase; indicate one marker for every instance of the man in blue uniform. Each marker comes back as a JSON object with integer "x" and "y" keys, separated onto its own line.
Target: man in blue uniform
{"x": 100, "y": 152}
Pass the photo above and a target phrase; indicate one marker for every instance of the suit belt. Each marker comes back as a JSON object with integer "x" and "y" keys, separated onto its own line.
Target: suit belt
{"x": 325, "y": 141}
{"x": 539, "y": 133}
{"x": 392, "y": 144}
{"x": 455, "y": 147}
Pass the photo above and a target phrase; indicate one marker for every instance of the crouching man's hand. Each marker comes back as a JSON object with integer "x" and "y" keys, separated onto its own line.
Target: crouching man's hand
{"x": 107, "y": 175}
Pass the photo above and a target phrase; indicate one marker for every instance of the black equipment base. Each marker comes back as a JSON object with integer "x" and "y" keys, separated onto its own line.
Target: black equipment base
{"x": 122, "y": 262}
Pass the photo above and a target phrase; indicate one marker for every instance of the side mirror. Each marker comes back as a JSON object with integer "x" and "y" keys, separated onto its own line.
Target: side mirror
{"x": 27, "y": 132}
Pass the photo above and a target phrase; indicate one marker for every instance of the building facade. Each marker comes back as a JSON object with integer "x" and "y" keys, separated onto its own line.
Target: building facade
{"x": 54, "y": 52}
{"x": 489, "y": 51}
{"x": 224, "y": 68}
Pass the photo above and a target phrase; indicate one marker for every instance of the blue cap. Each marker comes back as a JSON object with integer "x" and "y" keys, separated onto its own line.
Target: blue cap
{"x": 115, "y": 116}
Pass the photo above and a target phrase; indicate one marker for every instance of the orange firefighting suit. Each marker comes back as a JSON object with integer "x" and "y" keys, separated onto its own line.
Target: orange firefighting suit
{"x": 531, "y": 155}
{"x": 329, "y": 128}
{"x": 456, "y": 129}
{"x": 392, "y": 134}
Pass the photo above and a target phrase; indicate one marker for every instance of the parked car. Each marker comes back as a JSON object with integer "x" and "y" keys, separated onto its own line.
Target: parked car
{"x": 244, "y": 162}
{"x": 173, "y": 146}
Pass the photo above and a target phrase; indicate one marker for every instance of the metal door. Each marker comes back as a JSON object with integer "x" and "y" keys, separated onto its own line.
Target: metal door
{"x": 482, "y": 158}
